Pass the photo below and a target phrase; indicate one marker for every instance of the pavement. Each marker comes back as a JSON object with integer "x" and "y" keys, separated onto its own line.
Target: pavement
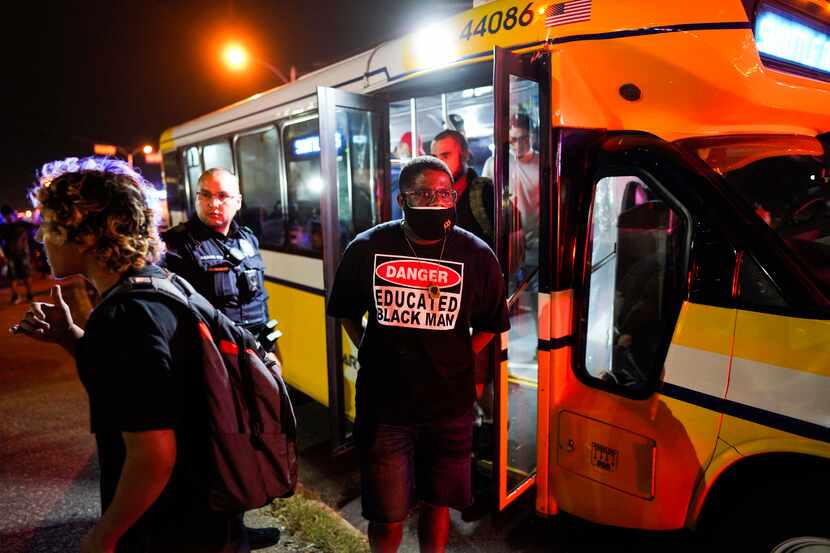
{"x": 49, "y": 470}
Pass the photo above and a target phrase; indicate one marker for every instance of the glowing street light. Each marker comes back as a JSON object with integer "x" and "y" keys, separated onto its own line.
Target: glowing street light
{"x": 236, "y": 58}
{"x": 112, "y": 149}
{"x": 146, "y": 149}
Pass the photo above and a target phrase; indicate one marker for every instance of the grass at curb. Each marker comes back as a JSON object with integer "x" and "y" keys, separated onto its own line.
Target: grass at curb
{"x": 314, "y": 522}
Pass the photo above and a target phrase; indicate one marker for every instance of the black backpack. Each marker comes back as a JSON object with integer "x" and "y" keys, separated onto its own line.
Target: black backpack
{"x": 252, "y": 427}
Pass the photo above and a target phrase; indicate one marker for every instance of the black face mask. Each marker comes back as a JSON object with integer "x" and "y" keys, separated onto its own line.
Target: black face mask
{"x": 429, "y": 223}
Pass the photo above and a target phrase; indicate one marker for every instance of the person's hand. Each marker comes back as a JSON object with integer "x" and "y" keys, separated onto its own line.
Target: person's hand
{"x": 47, "y": 322}
{"x": 94, "y": 542}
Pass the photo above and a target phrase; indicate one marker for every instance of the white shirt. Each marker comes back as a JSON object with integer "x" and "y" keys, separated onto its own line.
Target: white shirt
{"x": 524, "y": 187}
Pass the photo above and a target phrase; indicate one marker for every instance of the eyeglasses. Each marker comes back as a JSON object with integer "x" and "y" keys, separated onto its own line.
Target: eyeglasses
{"x": 223, "y": 197}
{"x": 514, "y": 139}
{"x": 424, "y": 196}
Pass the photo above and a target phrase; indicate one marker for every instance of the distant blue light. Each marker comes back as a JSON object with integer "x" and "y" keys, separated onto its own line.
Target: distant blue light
{"x": 791, "y": 41}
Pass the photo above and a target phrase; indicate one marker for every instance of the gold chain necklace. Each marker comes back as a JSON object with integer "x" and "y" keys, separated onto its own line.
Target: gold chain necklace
{"x": 432, "y": 288}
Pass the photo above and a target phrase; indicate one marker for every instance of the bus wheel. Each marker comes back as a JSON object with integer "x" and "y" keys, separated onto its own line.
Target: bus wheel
{"x": 773, "y": 515}
{"x": 803, "y": 545}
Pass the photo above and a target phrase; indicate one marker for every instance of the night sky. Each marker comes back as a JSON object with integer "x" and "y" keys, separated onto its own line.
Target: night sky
{"x": 118, "y": 72}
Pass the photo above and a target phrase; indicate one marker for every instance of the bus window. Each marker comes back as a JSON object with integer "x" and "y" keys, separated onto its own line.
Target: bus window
{"x": 470, "y": 111}
{"x": 301, "y": 147}
{"x": 218, "y": 154}
{"x": 521, "y": 198}
{"x": 785, "y": 180}
{"x": 401, "y": 148}
{"x": 193, "y": 162}
{"x": 636, "y": 245}
{"x": 176, "y": 194}
{"x": 357, "y": 208}
{"x": 259, "y": 180}
{"x": 430, "y": 119}
{"x": 757, "y": 289}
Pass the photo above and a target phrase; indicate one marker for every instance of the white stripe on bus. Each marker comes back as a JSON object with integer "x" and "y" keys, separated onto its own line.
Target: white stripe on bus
{"x": 305, "y": 271}
{"x": 797, "y": 394}
{"x": 697, "y": 369}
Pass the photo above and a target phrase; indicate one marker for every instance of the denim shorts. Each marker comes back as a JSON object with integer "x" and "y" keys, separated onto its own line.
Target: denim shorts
{"x": 427, "y": 461}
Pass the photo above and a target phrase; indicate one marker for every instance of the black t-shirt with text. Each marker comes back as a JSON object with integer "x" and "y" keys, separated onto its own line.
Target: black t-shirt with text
{"x": 416, "y": 359}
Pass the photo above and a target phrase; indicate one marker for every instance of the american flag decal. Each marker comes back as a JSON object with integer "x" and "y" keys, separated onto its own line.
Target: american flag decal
{"x": 563, "y": 13}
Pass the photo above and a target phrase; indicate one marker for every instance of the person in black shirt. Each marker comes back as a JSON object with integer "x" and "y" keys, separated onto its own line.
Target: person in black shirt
{"x": 425, "y": 283}
{"x": 136, "y": 362}
{"x": 474, "y": 203}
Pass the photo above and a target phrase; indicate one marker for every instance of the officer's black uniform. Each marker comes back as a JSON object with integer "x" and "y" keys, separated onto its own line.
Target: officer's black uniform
{"x": 227, "y": 270}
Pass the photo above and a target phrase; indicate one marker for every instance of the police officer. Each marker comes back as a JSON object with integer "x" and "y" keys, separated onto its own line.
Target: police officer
{"x": 221, "y": 260}
{"x": 217, "y": 256}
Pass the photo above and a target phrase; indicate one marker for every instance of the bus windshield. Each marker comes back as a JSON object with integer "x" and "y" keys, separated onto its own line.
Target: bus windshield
{"x": 786, "y": 181}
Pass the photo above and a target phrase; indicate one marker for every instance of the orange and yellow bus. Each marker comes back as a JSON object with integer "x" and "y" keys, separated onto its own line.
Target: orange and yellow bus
{"x": 667, "y": 246}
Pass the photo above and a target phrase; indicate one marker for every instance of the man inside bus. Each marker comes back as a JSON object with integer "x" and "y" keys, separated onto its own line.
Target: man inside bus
{"x": 474, "y": 205}
{"x": 425, "y": 283}
{"x": 524, "y": 182}
{"x": 221, "y": 259}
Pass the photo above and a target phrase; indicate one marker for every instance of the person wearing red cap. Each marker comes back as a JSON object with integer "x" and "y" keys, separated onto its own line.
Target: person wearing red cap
{"x": 404, "y": 148}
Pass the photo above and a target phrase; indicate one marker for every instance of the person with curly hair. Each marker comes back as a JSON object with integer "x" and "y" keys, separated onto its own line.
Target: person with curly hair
{"x": 136, "y": 362}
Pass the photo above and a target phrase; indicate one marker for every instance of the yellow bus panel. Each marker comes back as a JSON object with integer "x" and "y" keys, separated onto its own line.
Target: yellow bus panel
{"x": 302, "y": 320}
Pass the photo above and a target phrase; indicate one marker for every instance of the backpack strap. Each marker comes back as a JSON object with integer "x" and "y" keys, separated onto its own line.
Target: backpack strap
{"x": 152, "y": 285}
{"x": 180, "y": 291}
{"x": 172, "y": 287}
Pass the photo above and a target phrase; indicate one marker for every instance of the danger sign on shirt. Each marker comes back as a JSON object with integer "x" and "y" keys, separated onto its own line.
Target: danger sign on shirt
{"x": 401, "y": 292}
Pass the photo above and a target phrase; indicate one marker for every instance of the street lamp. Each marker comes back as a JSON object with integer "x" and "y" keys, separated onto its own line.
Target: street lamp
{"x": 237, "y": 57}
{"x": 112, "y": 149}
{"x": 146, "y": 150}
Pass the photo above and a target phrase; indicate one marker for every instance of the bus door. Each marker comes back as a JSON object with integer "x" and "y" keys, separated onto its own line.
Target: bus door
{"x": 642, "y": 331}
{"x": 354, "y": 167}
{"x": 522, "y": 145}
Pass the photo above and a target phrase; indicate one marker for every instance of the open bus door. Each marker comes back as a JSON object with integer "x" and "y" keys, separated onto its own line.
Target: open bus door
{"x": 354, "y": 163}
{"x": 522, "y": 182}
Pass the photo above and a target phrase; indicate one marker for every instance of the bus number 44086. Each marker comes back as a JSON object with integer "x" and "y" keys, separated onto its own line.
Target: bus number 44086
{"x": 494, "y": 22}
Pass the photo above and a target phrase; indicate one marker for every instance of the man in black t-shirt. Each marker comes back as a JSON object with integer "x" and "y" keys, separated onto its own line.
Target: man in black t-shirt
{"x": 136, "y": 361}
{"x": 424, "y": 283}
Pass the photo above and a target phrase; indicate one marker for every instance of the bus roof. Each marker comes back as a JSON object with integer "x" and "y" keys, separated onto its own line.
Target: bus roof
{"x": 695, "y": 68}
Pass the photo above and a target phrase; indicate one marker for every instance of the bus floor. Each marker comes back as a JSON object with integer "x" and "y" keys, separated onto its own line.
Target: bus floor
{"x": 336, "y": 480}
